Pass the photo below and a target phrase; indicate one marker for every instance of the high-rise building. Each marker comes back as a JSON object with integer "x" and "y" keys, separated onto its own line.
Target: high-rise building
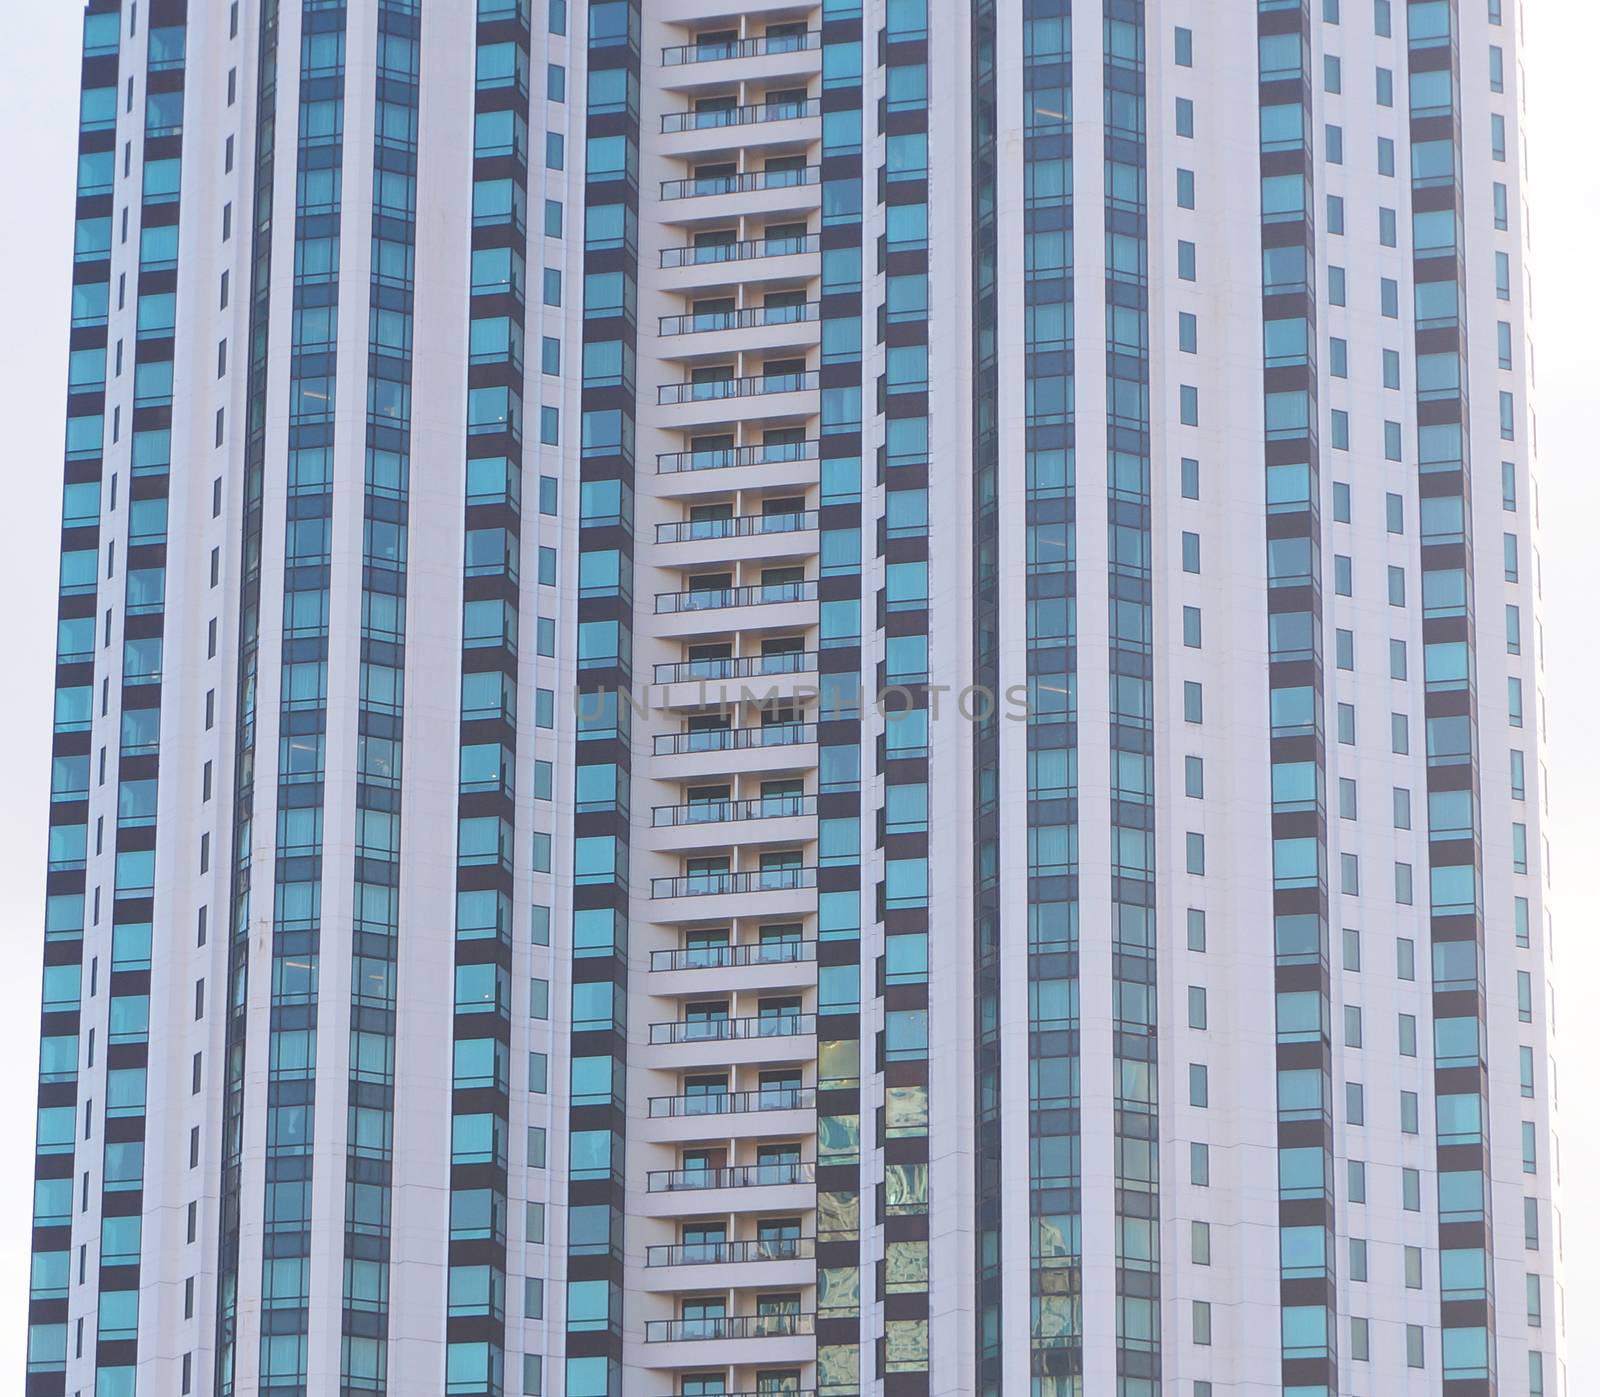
{"x": 824, "y": 696}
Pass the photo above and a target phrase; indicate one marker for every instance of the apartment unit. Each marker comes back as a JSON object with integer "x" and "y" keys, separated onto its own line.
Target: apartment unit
{"x": 660, "y": 789}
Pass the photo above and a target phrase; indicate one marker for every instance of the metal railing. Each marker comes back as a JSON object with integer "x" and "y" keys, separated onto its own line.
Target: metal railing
{"x": 737, "y": 526}
{"x": 733, "y": 1030}
{"x": 671, "y": 462}
{"x": 741, "y": 251}
{"x": 757, "y": 47}
{"x": 756, "y": 114}
{"x": 733, "y": 1176}
{"x": 731, "y": 1253}
{"x": 715, "y": 812}
{"x": 752, "y": 385}
{"x": 738, "y": 954}
{"x": 751, "y": 181}
{"x": 755, "y": 880}
{"x": 658, "y": 1331}
{"x": 724, "y": 1103}
{"x": 699, "y": 322}
{"x": 673, "y": 744}
{"x": 717, "y": 598}
{"x": 737, "y": 667}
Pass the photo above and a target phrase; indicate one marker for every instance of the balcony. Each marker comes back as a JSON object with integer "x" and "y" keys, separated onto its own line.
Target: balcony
{"x": 679, "y": 1031}
{"x": 737, "y": 526}
{"x": 671, "y": 744}
{"x": 748, "y": 967}
{"x": 723, "y": 118}
{"x": 738, "y": 955}
{"x": 693, "y": 685}
{"x": 658, "y": 1331}
{"x": 731, "y": 1253}
{"x": 750, "y": 182}
{"x": 751, "y": 317}
{"x": 721, "y": 389}
{"x": 726, "y": 458}
{"x": 701, "y": 267}
{"x": 700, "y": 612}
{"x": 737, "y": 667}
{"x": 721, "y": 598}
{"x": 758, "y": 47}
{"x": 744, "y": 250}
{"x": 757, "y": 752}
{"x": 734, "y": 1176}
{"x": 727, "y": 1103}
{"x": 712, "y": 812}
{"x": 754, "y": 880}
{"x": 774, "y": 821}
{"x": 763, "y": 466}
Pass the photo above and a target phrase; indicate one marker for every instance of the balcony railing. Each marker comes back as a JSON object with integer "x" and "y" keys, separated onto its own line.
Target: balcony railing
{"x": 745, "y": 250}
{"x": 671, "y": 462}
{"x": 731, "y": 1253}
{"x": 715, "y": 812}
{"x": 751, "y": 181}
{"x": 750, "y": 317}
{"x": 673, "y": 744}
{"x": 740, "y": 48}
{"x": 757, "y": 114}
{"x": 738, "y": 954}
{"x": 733, "y": 1030}
{"x": 737, "y": 526}
{"x": 658, "y": 1331}
{"x": 718, "y": 598}
{"x": 751, "y": 386}
{"x": 755, "y": 880}
{"x": 734, "y": 1176}
{"x": 737, "y": 667}
{"x": 735, "y": 1102}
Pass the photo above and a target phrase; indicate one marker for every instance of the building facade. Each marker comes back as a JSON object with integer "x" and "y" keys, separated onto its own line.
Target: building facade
{"x": 569, "y": 875}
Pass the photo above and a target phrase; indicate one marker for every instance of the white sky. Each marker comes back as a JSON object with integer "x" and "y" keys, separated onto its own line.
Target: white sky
{"x": 38, "y": 106}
